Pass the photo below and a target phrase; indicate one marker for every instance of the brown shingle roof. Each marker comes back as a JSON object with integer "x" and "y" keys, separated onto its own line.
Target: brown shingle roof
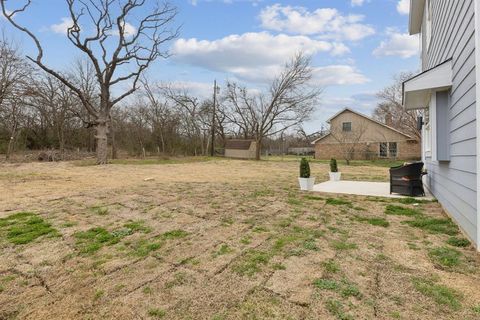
{"x": 238, "y": 144}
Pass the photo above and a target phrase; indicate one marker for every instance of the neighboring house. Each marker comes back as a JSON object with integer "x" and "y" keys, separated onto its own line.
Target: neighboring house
{"x": 447, "y": 91}
{"x": 241, "y": 149}
{"x": 353, "y": 135}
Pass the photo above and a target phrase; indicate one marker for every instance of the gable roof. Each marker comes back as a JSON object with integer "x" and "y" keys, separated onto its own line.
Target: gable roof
{"x": 363, "y": 116}
{"x": 238, "y": 144}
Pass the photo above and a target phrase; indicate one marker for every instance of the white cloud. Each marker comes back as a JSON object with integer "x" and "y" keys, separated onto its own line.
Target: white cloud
{"x": 338, "y": 75}
{"x": 403, "y": 6}
{"x": 398, "y": 44}
{"x": 198, "y": 89}
{"x": 129, "y": 30}
{"x": 250, "y": 56}
{"x": 325, "y": 23}
{"x": 62, "y": 27}
{"x": 357, "y": 3}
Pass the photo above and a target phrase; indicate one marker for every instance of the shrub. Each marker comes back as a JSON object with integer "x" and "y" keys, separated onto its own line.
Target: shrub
{"x": 333, "y": 165}
{"x": 304, "y": 168}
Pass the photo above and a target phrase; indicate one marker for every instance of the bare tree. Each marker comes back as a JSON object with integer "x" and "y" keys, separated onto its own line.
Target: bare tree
{"x": 194, "y": 114}
{"x": 289, "y": 102}
{"x": 391, "y": 111}
{"x": 118, "y": 52}
{"x": 14, "y": 75}
{"x": 349, "y": 141}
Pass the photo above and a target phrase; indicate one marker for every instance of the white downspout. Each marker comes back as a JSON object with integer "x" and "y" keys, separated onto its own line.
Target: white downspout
{"x": 477, "y": 99}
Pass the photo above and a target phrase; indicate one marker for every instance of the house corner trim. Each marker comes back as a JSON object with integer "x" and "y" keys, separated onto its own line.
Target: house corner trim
{"x": 477, "y": 109}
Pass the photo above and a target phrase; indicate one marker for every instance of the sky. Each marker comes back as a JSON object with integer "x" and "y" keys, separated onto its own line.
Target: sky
{"x": 357, "y": 46}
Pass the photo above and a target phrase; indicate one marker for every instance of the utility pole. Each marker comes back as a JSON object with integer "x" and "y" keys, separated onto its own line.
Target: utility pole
{"x": 215, "y": 89}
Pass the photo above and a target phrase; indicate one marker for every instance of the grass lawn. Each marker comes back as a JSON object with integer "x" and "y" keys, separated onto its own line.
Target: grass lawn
{"x": 223, "y": 239}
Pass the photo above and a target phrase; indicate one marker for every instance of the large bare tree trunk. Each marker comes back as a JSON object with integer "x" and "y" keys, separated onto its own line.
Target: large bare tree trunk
{"x": 101, "y": 136}
{"x": 258, "y": 150}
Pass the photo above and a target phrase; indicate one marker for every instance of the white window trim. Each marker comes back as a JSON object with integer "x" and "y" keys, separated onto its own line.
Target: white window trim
{"x": 433, "y": 126}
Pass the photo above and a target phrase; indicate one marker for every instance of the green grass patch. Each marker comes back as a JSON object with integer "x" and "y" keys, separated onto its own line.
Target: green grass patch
{"x": 313, "y": 198}
{"x": 338, "y": 202}
{"x": 434, "y": 225}
{"x": 284, "y": 223}
{"x": 227, "y": 221}
{"x": 294, "y": 201}
{"x": 92, "y": 240}
{"x": 476, "y": 309}
{"x": 278, "y": 266}
{"x": 179, "y": 279}
{"x": 444, "y": 256}
{"x": 156, "y": 313}
{"x": 265, "y": 192}
{"x": 344, "y": 287}
{"x": 331, "y": 266}
{"x": 25, "y": 227}
{"x": 144, "y": 247}
{"x": 441, "y": 294}
{"x": 411, "y": 200}
{"x": 310, "y": 244}
{"x": 376, "y": 221}
{"x": 326, "y": 284}
{"x": 223, "y": 250}
{"x": 147, "y": 290}
{"x": 458, "y": 242}
{"x": 343, "y": 245}
{"x": 99, "y": 210}
{"x": 401, "y": 211}
{"x": 350, "y": 290}
{"x": 175, "y": 234}
{"x": 98, "y": 295}
{"x": 252, "y": 262}
{"x": 337, "y": 309}
{"x": 246, "y": 240}
{"x": 259, "y": 229}
{"x": 138, "y": 225}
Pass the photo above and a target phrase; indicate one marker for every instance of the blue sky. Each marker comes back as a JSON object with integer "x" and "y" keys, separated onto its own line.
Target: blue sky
{"x": 356, "y": 45}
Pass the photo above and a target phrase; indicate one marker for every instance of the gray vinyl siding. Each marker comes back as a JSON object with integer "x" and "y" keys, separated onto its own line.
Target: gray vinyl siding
{"x": 454, "y": 183}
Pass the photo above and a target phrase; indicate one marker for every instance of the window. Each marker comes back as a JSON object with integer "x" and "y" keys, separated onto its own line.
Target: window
{"x": 442, "y": 131}
{"x": 383, "y": 150}
{"x": 392, "y": 149}
{"x": 347, "y": 126}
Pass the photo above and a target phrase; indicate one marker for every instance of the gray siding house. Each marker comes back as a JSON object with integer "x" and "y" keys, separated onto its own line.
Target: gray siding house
{"x": 447, "y": 91}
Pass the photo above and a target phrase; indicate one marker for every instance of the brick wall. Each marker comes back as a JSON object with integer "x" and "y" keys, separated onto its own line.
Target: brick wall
{"x": 406, "y": 150}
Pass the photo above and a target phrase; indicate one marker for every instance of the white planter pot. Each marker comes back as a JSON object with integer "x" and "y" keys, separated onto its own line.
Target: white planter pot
{"x": 335, "y": 176}
{"x": 306, "y": 183}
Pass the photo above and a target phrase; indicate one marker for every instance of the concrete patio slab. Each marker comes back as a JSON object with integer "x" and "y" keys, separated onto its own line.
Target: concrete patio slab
{"x": 362, "y": 188}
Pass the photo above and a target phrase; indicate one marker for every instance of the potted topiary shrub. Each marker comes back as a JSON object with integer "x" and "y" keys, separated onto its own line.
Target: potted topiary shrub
{"x": 306, "y": 182}
{"x": 334, "y": 174}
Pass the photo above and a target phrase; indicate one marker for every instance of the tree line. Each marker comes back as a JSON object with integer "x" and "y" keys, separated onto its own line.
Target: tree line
{"x": 105, "y": 103}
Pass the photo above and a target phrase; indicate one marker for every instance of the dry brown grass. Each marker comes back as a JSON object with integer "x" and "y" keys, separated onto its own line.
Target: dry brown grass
{"x": 220, "y": 240}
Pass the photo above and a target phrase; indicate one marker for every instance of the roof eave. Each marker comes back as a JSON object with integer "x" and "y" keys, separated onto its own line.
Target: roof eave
{"x": 417, "y": 8}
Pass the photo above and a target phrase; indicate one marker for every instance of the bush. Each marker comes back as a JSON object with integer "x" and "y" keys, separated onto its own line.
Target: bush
{"x": 333, "y": 165}
{"x": 304, "y": 168}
